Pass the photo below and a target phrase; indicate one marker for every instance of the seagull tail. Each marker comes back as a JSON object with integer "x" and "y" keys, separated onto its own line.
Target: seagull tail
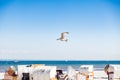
{"x": 66, "y": 40}
{"x": 57, "y": 39}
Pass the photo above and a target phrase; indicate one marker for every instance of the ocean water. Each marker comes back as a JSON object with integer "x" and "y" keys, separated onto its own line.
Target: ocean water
{"x": 4, "y": 65}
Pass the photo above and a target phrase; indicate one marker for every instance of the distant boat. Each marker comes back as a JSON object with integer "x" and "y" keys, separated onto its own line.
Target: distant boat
{"x": 16, "y": 60}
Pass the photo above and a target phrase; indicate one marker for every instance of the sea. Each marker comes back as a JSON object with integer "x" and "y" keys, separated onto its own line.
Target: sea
{"x": 98, "y": 65}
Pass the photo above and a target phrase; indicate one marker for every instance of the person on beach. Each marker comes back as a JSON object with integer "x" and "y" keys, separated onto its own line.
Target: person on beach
{"x": 10, "y": 74}
{"x": 11, "y": 71}
{"x": 106, "y": 69}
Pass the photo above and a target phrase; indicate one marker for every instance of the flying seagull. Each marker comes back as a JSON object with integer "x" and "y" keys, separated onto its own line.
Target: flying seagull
{"x": 62, "y": 38}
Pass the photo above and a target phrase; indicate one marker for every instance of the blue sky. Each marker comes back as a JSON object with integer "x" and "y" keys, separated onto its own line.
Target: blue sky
{"x": 29, "y": 29}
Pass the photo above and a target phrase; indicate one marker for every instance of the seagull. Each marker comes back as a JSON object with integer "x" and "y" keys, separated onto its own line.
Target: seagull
{"x": 62, "y": 38}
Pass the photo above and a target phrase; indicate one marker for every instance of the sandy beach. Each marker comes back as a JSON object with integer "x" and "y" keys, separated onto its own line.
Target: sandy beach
{"x": 100, "y": 75}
